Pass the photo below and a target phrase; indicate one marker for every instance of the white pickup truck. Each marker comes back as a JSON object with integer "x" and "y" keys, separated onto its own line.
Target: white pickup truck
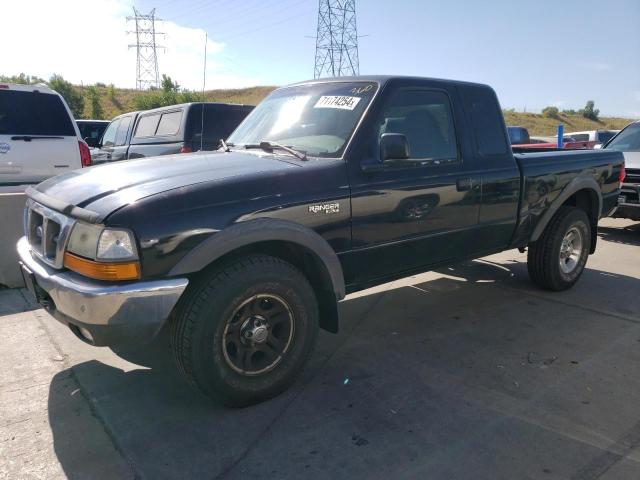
{"x": 38, "y": 135}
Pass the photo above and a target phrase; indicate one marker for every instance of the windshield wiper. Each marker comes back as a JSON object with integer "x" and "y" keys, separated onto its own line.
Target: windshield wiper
{"x": 225, "y": 146}
{"x": 270, "y": 146}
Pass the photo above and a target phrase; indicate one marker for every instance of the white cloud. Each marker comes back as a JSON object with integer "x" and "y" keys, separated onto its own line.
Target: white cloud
{"x": 86, "y": 42}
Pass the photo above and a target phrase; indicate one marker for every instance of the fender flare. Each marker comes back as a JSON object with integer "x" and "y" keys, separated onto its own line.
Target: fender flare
{"x": 269, "y": 229}
{"x": 575, "y": 185}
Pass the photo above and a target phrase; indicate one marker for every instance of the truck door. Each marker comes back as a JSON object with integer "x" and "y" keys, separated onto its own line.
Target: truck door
{"x": 108, "y": 141}
{"x": 417, "y": 212}
{"x": 500, "y": 175}
{"x": 121, "y": 144}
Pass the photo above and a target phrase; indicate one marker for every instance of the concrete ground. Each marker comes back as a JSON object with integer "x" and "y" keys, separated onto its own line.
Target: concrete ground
{"x": 467, "y": 373}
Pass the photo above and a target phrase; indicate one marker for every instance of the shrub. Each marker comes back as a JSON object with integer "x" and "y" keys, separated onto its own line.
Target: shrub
{"x": 589, "y": 111}
{"x": 550, "y": 112}
{"x": 96, "y": 108}
{"x": 71, "y": 95}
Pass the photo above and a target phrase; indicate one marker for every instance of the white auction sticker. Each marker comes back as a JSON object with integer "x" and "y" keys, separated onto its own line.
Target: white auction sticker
{"x": 332, "y": 101}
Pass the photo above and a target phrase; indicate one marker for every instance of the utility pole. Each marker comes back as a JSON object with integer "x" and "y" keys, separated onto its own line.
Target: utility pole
{"x": 147, "y": 75}
{"x": 336, "y": 39}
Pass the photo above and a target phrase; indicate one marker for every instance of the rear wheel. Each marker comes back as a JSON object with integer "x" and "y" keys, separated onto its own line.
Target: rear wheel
{"x": 557, "y": 259}
{"x": 243, "y": 332}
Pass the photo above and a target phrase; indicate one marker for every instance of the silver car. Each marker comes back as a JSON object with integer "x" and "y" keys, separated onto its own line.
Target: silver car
{"x": 628, "y": 142}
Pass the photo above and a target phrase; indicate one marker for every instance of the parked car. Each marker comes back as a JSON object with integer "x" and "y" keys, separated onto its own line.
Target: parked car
{"x": 518, "y": 135}
{"x": 91, "y": 130}
{"x": 594, "y": 137}
{"x": 116, "y": 139}
{"x": 167, "y": 130}
{"x": 540, "y": 144}
{"x": 38, "y": 136}
{"x": 326, "y": 188}
{"x": 628, "y": 142}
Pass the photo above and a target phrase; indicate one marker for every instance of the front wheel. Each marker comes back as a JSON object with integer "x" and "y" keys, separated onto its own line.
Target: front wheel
{"x": 243, "y": 332}
{"x": 557, "y": 259}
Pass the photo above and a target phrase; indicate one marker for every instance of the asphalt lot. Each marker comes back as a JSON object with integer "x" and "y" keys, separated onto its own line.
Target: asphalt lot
{"x": 470, "y": 372}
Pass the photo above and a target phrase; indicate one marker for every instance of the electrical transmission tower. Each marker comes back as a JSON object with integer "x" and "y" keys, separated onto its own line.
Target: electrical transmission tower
{"x": 146, "y": 49}
{"x": 337, "y": 39}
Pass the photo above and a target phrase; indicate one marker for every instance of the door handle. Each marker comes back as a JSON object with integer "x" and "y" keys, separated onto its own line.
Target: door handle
{"x": 464, "y": 184}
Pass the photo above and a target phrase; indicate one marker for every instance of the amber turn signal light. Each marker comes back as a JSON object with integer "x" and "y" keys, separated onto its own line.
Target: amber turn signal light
{"x": 100, "y": 270}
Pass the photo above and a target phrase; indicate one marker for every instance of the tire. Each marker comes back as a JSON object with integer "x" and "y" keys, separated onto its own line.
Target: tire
{"x": 554, "y": 264}
{"x": 230, "y": 322}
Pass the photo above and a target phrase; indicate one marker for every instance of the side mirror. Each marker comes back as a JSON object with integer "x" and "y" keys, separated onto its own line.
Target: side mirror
{"x": 394, "y": 146}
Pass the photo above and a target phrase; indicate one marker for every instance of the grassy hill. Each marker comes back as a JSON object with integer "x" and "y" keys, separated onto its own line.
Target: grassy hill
{"x": 543, "y": 126}
{"x": 117, "y": 100}
{"x": 121, "y": 100}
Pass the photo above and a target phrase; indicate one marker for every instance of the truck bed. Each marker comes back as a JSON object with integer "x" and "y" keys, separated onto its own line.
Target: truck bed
{"x": 545, "y": 176}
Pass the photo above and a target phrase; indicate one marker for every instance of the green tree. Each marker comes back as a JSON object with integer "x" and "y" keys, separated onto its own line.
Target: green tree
{"x": 590, "y": 112}
{"x": 550, "y": 112}
{"x": 94, "y": 99}
{"x": 71, "y": 95}
{"x": 21, "y": 79}
{"x": 169, "y": 85}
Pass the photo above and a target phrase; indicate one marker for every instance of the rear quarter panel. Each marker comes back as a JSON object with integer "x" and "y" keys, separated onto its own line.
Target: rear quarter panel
{"x": 547, "y": 175}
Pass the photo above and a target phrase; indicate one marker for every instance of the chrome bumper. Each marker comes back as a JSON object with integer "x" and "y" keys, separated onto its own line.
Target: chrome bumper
{"x": 112, "y": 313}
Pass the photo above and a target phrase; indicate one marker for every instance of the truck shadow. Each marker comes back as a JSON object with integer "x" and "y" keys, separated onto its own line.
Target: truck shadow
{"x": 435, "y": 366}
{"x": 629, "y": 235}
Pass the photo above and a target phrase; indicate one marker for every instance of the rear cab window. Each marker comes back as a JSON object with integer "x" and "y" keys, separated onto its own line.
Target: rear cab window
{"x": 169, "y": 123}
{"x": 482, "y": 106}
{"x": 147, "y": 125}
{"x": 34, "y": 113}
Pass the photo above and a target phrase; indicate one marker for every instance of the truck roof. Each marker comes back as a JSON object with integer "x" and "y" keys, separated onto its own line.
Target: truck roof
{"x": 40, "y": 87}
{"x": 190, "y": 104}
{"x": 382, "y": 79}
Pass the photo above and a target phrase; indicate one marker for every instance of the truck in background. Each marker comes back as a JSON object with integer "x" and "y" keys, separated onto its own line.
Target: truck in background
{"x": 168, "y": 130}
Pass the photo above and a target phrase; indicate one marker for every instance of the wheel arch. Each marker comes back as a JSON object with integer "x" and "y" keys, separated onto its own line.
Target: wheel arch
{"x": 283, "y": 239}
{"x": 583, "y": 193}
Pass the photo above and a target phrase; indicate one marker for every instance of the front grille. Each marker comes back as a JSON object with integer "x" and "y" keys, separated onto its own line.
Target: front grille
{"x": 47, "y": 232}
{"x": 632, "y": 175}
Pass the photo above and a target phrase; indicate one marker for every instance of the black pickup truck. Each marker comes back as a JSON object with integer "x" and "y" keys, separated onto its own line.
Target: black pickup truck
{"x": 326, "y": 188}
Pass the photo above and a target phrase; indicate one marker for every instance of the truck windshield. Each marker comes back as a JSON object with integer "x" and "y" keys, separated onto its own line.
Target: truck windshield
{"x": 628, "y": 140}
{"x": 317, "y": 119}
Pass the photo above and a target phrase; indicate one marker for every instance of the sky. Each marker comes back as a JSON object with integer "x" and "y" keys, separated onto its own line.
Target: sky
{"x": 534, "y": 53}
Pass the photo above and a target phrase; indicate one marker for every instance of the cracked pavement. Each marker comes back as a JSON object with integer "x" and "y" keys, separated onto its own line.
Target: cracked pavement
{"x": 469, "y": 372}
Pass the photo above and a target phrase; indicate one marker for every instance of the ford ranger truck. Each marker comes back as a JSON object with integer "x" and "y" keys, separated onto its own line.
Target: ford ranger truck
{"x": 326, "y": 188}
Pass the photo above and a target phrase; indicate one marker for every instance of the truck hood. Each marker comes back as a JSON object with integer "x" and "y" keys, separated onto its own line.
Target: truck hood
{"x": 93, "y": 193}
{"x": 632, "y": 160}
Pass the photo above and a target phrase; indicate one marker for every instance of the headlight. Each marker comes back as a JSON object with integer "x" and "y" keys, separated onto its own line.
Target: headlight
{"x": 116, "y": 245}
{"x": 84, "y": 239}
{"x": 102, "y": 253}
{"x": 102, "y": 243}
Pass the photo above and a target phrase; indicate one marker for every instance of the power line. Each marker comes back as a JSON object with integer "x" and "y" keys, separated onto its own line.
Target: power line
{"x": 337, "y": 39}
{"x": 147, "y": 75}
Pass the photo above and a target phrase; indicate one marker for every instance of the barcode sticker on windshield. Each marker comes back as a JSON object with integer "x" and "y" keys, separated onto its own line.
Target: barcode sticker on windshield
{"x": 331, "y": 101}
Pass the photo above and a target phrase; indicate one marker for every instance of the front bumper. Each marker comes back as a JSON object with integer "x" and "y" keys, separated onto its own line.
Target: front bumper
{"x": 112, "y": 313}
{"x": 629, "y": 202}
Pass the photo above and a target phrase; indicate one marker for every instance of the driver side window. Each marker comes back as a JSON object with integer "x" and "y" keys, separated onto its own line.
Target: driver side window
{"x": 109, "y": 137}
{"x": 426, "y": 120}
